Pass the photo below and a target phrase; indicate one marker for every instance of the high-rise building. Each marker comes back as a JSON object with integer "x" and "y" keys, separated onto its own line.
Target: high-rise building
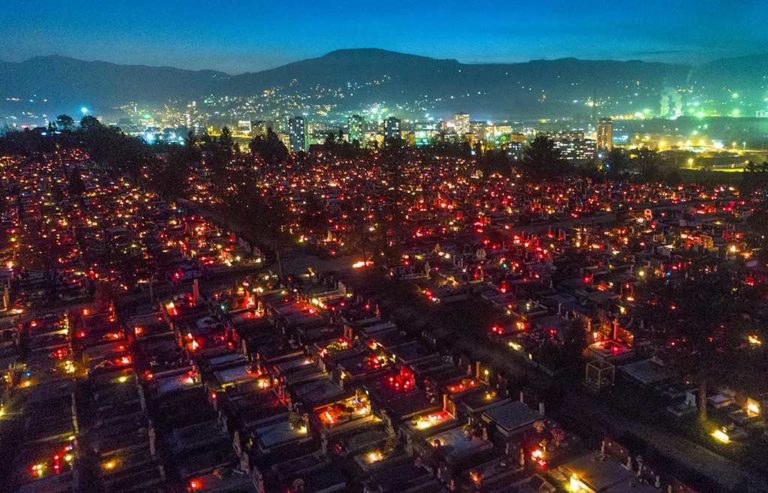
{"x": 605, "y": 134}
{"x": 574, "y": 146}
{"x": 317, "y": 133}
{"x": 392, "y": 128}
{"x": 296, "y": 133}
{"x": 425, "y": 132}
{"x": 461, "y": 123}
{"x": 356, "y": 129}
{"x": 244, "y": 126}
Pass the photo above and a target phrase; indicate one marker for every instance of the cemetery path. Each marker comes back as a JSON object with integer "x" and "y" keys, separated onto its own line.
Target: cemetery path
{"x": 690, "y": 455}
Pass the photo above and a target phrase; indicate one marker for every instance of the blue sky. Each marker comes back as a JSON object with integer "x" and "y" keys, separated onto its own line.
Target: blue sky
{"x": 237, "y": 36}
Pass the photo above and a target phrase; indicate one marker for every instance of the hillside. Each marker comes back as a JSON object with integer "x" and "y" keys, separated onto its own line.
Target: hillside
{"x": 350, "y": 79}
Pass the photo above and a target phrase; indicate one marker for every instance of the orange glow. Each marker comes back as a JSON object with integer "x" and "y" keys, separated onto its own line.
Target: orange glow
{"x": 430, "y": 420}
{"x": 464, "y": 384}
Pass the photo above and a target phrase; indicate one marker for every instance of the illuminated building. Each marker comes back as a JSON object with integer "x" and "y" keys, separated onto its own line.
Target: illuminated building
{"x": 511, "y": 142}
{"x": 244, "y": 126}
{"x": 285, "y": 139}
{"x": 574, "y": 146}
{"x": 392, "y": 128}
{"x": 317, "y": 133}
{"x": 605, "y": 134}
{"x": 296, "y": 133}
{"x": 190, "y": 117}
{"x": 461, "y": 123}
{"x": 424, "y": 132}
{"x": 356, "y": 129}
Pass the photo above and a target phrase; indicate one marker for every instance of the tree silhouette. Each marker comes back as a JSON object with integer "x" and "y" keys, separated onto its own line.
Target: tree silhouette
{"x": 315, "y": 216}
{"x": 89, "y": 123}
{"x": 168, "y": 177}
{"x": 217, "y": 155}
{"x": 647, "y": 163}
{"x": 542, "y": 159}
{"x": 269, "y": 148}
{"x": 617, "y": 163}
{"x": 227, "y": 143}
{"x": 335, "y": 145}
{"x": 701, "y": 321}
{"x": 495, "y": 161}
{"x": 574, "y": 343}
{"x": 755, "y": 176}
{"x": 261, "y": 216}
{"x": 64, "y": 123}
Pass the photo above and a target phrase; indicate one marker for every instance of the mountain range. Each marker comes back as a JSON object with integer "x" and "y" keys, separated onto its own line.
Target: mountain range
{"x": 347, "y": 80}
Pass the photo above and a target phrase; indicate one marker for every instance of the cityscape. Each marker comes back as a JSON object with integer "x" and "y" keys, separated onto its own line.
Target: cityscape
{"x": 248, "y": 253}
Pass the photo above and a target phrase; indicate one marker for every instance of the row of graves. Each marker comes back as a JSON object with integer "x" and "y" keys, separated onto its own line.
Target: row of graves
{"x": 340, "y": 399}
{"x": 668, "y": 242}
{"x": 267, "y": 387}
{"x": 37, "y": 234}
{"x": 59, "y": 241}
{"x": 100, "y": 404}
{"x": 67, "y": 374}
{"x": 546, "y": 284}
{"x": 134, "y": 408}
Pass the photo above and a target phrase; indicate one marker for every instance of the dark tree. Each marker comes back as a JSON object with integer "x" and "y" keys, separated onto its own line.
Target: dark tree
{"x": 269, "y": 148}
{"x": 89, "y": 123}
{"x": 227, "y": 143}
{"x": 574, "y": 343}
{"x": 541, "y": 158}
{"x": 315, "y": 216}
{"x": 261, "y": 216}
{"x": 616, "y": 163}
{"x": 190, "y": 140}
{"x": 216, "y": 158}
{"x": 701, "y": 320}
{"x": 755, "y": 176}
{"x": 64, "y": 123}
{"x": 495, "y": 161}
{"x": 648, "y": 164}
{"x": 168, "y": 177}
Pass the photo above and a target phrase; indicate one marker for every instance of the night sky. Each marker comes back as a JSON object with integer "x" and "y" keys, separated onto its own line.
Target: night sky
{"x": 238, "y": 36}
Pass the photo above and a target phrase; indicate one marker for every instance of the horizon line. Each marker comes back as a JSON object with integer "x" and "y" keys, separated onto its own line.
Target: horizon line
{"x": 474, "y": 62}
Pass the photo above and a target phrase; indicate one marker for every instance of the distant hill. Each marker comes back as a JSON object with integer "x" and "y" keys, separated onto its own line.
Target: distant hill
{"x": 747, "y": 76}
{"x": 349, "y": 79}
{"x": 534, "y": 88}
{"x": 67, "y": 81}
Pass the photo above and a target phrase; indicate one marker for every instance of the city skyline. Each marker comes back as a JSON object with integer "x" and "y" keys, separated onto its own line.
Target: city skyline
{"x": 242, "y": 37}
